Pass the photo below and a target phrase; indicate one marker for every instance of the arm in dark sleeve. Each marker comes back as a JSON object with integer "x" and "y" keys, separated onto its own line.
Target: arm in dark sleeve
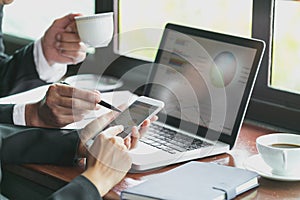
{"x": 22, "y": 145}
{"x": 16, "y": 69}
{"x": 6, "y": 113}
{"x": 53, "y": 146}
{"x": 79, "y": 188}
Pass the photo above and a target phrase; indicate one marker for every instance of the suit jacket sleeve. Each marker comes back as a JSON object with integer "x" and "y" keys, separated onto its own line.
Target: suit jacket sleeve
{"x": 19, "y": 67}
{"x": 36, "y": 145}
{"x": 6, "y": 113}
{"x": 47, "y": 146}
{"x": 15, "y": 71}
{"x": 79, "y": 188}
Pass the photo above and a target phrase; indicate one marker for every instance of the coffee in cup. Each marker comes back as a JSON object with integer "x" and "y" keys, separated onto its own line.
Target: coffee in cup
{"x": 285, "y": 145}
{"x": 95, "y": 30}
{"x": 280, "y": 151}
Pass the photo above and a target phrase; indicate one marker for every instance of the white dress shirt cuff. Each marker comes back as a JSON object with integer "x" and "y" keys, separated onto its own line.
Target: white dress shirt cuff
{"x": 46, "y": 72}
{"x": 19, "y": 114}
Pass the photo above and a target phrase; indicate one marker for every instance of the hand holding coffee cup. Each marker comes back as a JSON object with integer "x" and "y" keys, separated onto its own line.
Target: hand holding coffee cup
{"x": 95, "y": 30}
{"x": 280, "y": 151}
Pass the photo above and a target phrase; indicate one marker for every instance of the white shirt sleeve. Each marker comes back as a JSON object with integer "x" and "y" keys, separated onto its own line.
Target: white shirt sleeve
{"x": 19, "y": 114}
{"x": 46, "y": 72}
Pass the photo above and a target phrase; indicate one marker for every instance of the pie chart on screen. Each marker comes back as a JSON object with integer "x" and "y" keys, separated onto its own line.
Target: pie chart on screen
{"x": 222, "y": 73}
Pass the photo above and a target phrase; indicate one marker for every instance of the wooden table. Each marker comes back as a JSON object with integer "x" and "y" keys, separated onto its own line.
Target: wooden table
{"x": 54, "y": 177}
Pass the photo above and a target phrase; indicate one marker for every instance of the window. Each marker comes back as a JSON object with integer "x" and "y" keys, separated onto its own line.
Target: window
{"x": 272, "y": 102}
{"x": 286, "y": 47}
{"x": 29, "y": 19}
{"x": 133, "y": 23}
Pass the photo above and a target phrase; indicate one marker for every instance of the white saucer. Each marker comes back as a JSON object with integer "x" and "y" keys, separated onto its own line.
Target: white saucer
{"x": 94, "y": 82}
{"x": 257, "y": 164}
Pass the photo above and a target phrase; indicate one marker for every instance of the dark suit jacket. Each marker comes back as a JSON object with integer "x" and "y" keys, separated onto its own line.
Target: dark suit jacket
{"x": 19, "y": 145}
{"x": 16, "y": 71}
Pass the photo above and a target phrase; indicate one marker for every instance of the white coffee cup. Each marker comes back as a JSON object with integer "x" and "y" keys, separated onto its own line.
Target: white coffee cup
{"x": 281, "y": 151}
{"x": 95, "y": 30}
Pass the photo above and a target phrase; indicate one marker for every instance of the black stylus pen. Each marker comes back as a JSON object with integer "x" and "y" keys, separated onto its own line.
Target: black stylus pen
{"x": 102, "y": 103}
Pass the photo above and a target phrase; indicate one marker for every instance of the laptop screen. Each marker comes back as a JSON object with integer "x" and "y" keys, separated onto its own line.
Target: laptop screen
{"x": 205, "y": 79}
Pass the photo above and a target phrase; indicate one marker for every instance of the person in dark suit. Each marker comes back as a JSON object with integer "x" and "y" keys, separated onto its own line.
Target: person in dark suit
{"x": 107, "y": 158}
{"x": 40, "y": 62}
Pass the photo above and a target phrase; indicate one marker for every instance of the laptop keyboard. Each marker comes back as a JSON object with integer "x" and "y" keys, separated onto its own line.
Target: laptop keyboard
{"x": 171, "y": 141}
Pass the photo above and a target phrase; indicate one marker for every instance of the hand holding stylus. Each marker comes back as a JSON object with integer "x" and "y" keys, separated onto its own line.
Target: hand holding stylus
{"x": 61, "y": 106}
{"x": 102, "y": 103}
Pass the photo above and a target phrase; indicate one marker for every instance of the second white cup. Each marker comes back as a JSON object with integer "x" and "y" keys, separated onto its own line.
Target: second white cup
{"x": 281, "y": 151}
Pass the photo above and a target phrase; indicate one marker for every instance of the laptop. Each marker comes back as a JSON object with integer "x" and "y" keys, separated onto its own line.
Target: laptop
{"x": 205, "y": 80}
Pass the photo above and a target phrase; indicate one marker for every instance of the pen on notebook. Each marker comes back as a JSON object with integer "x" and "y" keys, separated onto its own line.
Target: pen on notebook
{"x": 102, "y": 103}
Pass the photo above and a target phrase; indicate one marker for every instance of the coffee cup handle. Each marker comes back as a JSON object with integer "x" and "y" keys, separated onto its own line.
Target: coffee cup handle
{"x": 284, "y": 156}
